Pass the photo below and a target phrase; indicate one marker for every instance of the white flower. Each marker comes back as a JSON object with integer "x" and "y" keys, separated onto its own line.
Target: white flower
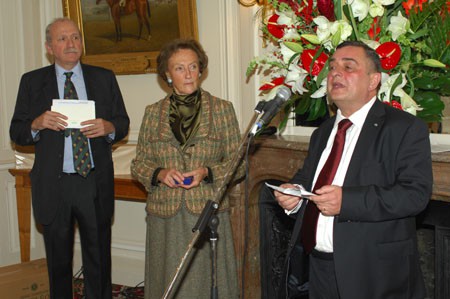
{"x": 322, "y": 91}
{"x": 376, "y": 10}
{"x": 331, "y": 34}
{"x": 323, "y": 28}
{"x": 408, "y": 104}
{"x": 384, "y": 2}
{"x": 360, "y": 8}
{"x": 386, "y": 86}
{"x": 340, "y": 31}
{"x": 291, "y": 34}
{"x": 399, "y": 25}
{"x": 287, "y": 18}
{"x": 286, "y": 52}
{"x": 296, "y": 77}
{"x": 373, "y": 44}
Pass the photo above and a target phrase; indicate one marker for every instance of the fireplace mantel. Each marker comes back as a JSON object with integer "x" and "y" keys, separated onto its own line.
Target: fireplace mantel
{"x": 279, "y": 157}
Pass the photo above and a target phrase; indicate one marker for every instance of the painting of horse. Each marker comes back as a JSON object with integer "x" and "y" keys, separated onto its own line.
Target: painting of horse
{"x": 120, "y": 8}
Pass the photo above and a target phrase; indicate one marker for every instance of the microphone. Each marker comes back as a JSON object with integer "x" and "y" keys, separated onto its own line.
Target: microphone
{"x": 271, "y": 108}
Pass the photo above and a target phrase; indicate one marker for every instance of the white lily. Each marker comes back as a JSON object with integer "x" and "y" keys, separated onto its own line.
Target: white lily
{"x": 387, "y": 82}
{"x": 384, "y": 2}
{"x": 323, "y": 28}
{"x": 322, "y": 91}
{"x": 376, "y": 10}
{"x": 371, "y": 43}
{"x": 287, "y": 18}
{"x": 340, "y": 31}
{"x": 399, "y": 25}
{"x": 296, "y": 77}
{"x": 360, "y": 8}
{"x": 408, "y": 104}
{"x": 291, "y": 34}
{"x": 286, "y": 52}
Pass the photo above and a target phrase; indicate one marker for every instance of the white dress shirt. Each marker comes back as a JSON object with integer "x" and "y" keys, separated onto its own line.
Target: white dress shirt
{"x": 324, "y": 234}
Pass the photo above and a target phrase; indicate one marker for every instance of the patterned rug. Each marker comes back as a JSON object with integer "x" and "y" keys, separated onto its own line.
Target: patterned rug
{"x": 119, "y": 291}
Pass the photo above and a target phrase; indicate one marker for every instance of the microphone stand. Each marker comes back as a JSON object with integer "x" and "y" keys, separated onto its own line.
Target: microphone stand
{"x": 208, "y": 211}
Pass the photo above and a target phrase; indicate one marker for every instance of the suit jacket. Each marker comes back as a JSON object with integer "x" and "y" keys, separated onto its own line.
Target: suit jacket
{"x": 36, "y": 91}
{"x": 214, "y": 145}
{"x": 388, "y": 182}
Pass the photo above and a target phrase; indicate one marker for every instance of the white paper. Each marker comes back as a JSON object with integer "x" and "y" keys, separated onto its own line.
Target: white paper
{"x": 299, "y": 190}
{"x": 76, "y": 111}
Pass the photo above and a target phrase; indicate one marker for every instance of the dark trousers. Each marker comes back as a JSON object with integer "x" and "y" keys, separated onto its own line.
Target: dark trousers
{"x": 79, "y": 203}
{"x": 322, "y": 277}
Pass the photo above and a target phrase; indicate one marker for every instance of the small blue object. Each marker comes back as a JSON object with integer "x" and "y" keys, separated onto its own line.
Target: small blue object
{"x": 186, "y": 181}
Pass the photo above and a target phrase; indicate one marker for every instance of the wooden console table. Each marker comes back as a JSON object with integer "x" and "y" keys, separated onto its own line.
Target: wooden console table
{"x": 125, "y": 187}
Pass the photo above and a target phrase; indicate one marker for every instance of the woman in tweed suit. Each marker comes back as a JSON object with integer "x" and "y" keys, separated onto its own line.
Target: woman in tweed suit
{"x": 188, "y": 134}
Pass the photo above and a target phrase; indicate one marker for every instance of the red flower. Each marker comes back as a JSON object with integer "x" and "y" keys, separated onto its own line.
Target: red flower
{"x": 326, "y": 8}
{"x": 307, "y": 57}
{"x": 273, "y": 27}
{"x": 275, "y": 82}
{"x": 408, "y": 5}
{"x": 390, "y": 53}
{"x": 394, "y": 103}
{"x": 374, "y": 29}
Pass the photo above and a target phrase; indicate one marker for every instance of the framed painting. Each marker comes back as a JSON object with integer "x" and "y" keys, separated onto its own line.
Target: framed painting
{"x": 127, "y": 35}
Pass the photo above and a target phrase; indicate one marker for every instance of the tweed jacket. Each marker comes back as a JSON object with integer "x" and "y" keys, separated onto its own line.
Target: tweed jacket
{"x": 213, "y": 145}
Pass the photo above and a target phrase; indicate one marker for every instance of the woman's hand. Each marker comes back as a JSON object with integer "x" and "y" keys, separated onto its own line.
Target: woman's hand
{"x": 197, "y": 177}
{"x": 170, "y": 177}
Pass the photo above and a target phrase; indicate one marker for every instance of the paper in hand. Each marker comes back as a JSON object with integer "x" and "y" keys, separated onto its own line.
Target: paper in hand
{"x": 76, "y": 111}
{"x": 299, "y": 190}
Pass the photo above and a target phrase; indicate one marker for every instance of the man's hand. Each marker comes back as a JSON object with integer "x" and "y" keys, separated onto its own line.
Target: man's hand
{"x": 328, "y": 200}
{"x": 97, "y": 127}
{"x": 286, "y": 201}
{"x": 49, "y": 120}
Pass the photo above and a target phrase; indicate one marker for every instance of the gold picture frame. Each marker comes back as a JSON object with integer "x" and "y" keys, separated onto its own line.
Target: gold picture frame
{"x": 134, "y": 53}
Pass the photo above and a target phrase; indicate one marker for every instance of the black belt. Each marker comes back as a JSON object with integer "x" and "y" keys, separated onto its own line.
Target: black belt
{"x": 322, "y": 255}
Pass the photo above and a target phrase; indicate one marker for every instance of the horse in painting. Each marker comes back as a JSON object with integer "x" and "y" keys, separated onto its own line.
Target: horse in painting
{"x": 141, "y": 7}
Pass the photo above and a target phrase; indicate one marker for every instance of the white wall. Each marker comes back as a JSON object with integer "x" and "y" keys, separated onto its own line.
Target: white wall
{"x": 228, "y": 33}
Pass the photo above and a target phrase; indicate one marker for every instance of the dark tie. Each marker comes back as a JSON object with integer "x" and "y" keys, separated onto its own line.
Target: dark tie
{"x": 326, "y": 176}
{"x": 81, "y": 157}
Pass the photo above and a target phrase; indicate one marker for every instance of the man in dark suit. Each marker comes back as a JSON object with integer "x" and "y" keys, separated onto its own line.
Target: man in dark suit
{"x": 60, "y": 195}
{"x": 365, "y": 242}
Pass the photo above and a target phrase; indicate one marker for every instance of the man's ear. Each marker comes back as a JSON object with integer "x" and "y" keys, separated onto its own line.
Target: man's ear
{"x": 48, "y": 48}
{"x": 375, "y": 79}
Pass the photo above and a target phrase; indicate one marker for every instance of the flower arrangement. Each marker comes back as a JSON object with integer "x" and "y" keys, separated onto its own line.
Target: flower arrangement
{"x": 412, "y": 38}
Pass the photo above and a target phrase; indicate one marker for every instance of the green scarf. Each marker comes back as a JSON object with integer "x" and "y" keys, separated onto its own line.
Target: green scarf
{"x": 183, "y": 116}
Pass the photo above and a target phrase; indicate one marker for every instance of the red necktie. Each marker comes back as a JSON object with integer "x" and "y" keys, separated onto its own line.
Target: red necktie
{"x": 326, "y": 176}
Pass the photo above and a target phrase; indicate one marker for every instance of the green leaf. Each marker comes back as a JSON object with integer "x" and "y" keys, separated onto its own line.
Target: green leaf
{"x": 429, "y": 100}
{"x": 296, "y": 47}
{"x": 427, "y": 83}
{"x": 318, "y": 109}
{"x": 303, "y": 105}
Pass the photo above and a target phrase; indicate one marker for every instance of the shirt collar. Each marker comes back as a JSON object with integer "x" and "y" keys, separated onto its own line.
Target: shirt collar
{"x": 359, "y": 116}
{"x": 77, "y": 73}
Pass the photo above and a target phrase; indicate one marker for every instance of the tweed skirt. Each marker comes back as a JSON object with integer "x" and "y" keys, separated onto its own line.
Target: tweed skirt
{"x": 167, "y": 242}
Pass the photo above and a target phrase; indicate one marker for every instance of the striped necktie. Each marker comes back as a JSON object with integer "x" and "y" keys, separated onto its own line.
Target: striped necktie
{"x": 81, "y": 157}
